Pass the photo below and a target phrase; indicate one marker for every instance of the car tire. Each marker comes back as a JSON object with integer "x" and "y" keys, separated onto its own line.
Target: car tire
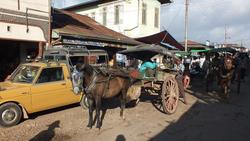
{"x": 10, "y": 114}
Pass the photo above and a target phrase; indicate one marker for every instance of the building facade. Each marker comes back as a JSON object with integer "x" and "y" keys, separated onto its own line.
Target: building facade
{"x": 134, "y": 18}
{"x": 24, "y": 29}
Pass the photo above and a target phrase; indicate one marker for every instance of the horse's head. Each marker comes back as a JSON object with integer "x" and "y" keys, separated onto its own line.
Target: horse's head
{"x": 228, "y": 63}
{"x": 90, "y": 76}
{"x": 77, "y": 79}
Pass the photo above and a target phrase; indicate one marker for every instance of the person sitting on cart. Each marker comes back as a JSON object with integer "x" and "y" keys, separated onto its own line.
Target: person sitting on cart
{"x": 148, "y": 68}
{"x": 179, "y": 67}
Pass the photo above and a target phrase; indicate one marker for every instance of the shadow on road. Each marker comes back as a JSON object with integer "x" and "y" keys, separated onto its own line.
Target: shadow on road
{"x": 120, "y": 138}
{"x": 209, "y": 119}
{"x": 35, "y": 115}
{"x": 47, "y": 135}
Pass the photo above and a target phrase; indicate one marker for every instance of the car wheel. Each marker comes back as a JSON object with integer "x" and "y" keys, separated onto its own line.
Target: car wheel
{"x": 10, "y": 114}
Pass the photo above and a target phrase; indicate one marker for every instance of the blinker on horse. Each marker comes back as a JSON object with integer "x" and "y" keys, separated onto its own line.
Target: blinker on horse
{"x": 99, "y": 85}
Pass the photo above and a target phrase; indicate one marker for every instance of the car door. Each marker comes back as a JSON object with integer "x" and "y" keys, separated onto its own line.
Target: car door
{"x": 49, "y": 90}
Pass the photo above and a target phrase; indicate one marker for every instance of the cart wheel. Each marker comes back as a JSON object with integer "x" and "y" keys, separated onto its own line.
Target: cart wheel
{"x": 170, "y": 95}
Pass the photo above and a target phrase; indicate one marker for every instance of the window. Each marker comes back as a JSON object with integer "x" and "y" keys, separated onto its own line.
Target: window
{"x": 118, "y": 11}
{"x": 93, "y": 15}
{"x": 76, "y": 60}
{"x": 156, "y": 17}
{"x": 104, "y": 16}
{"x": 101, "y": 59}
{"x": 24, "y": 74}
{"x": 51, "y": 75}
{"x": 144, "y": 13}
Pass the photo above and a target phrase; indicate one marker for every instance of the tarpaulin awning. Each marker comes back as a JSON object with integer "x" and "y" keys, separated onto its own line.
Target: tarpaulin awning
{"x": 181, "y": 53}
{"x": 225, "y": 49}
{"x": 199, "y": 50}
{"x": 146, "y": 51}
{"x": 161, "y": 38}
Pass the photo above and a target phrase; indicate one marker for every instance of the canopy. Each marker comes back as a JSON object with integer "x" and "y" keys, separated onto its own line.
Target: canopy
{"x": 181, "y": 53}
{"x": 146, "y": 51}
{"x": 199, "y": 50}
{"x": 163, "y": 38}
{"x": 225, "y": 49}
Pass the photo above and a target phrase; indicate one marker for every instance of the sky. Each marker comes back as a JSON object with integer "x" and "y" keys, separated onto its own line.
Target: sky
{"x": 207, "y": 20}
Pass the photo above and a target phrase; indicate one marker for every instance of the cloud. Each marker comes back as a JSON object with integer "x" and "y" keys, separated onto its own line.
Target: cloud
{"x": 207, "y": 20}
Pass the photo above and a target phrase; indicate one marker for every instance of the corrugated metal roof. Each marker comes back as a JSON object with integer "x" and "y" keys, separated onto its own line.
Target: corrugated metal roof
{"x": 69, "y": 23}
{"x": 193, "y": 44}
{"x": 96, "y": 2}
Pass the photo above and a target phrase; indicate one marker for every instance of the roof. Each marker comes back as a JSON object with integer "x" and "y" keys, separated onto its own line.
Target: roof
{"x": 96, "y": 2}
{"x": 193, "y": 44}
{"x": 161, "y": 38}
{"x": 75, "y": 25}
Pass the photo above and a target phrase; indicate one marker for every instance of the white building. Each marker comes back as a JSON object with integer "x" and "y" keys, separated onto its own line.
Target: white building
{"x": 24, "y": 26}
{"x": 134, "y": 18}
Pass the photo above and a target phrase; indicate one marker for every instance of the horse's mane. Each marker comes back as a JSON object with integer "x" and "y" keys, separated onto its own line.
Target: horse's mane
{"x": 87, "y": 69}
{"x": 106, "y": 72}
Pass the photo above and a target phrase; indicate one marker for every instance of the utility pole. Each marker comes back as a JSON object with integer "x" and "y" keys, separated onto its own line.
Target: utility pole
{"x": 186, "y": 24}
{"x": 225, "y": 36}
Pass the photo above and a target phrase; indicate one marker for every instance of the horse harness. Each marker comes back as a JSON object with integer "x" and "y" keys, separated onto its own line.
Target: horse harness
{"x": 94, "y": 81}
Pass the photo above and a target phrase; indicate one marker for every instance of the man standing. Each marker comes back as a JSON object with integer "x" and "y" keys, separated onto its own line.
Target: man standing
{"x": 179, "y": 67}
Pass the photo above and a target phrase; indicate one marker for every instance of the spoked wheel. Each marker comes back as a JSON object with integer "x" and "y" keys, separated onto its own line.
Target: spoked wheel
{"x": 170, "y": 95}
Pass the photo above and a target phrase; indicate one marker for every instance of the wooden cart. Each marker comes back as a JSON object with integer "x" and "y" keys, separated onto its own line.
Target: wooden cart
{"x": 162, "y": 84}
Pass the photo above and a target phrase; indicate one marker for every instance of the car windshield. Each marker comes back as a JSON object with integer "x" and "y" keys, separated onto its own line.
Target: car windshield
{"x": 24, "y": 74}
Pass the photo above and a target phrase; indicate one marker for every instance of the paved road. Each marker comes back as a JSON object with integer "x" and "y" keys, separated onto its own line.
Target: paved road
{"x": 205, "y": 118}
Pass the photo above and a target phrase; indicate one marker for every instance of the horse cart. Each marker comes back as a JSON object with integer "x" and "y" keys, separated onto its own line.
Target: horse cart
{"x": 223, "y": 69}
{"x": 161, "y": 82}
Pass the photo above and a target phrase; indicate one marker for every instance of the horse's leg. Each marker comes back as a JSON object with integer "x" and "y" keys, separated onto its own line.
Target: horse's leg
{"x": 98, "y": 108}
{"x": 123, "y": 102}
{"x": 238, "y": 82}
{"x": 122, "y": 106}
{"x": 207, "y": 83}
{"x": 91, "y": 106}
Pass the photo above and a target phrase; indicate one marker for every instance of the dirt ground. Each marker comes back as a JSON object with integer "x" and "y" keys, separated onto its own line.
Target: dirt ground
{"x": 205, "y": 118}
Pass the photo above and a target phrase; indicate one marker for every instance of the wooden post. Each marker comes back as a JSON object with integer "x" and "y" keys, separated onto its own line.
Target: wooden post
{"x": 115, "y": 61}
{"x": 186, "y": 25}
{"x": 40, "y": 49}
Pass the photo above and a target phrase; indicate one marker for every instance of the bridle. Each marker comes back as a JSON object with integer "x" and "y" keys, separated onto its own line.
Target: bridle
{"x": 93, "y": 80}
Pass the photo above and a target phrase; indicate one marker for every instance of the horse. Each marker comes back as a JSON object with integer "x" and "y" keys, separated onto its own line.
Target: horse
{"x": 225, "y": 75}
{"x": 210, "y": 77}
{"x": 100, "y": 85}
